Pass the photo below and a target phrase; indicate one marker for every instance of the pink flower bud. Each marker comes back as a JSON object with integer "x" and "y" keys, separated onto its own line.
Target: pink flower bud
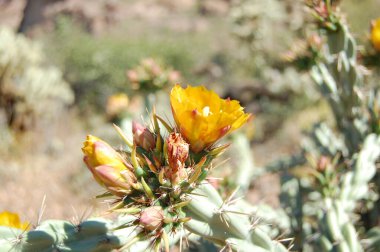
{"x": 107, "y": 166}
{"x": 174, "y": 76}
{"x": 143, "y": 137}
{"x": 152, "y": 218}
{"x": 132, "y": 76}
{"x": 117, "y": 182}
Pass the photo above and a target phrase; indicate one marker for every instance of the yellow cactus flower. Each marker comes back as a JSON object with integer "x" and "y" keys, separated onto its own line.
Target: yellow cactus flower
{"x": 202, "y": 117}
{"x": 375, "y": 34}
{"x": 9, "y": 219}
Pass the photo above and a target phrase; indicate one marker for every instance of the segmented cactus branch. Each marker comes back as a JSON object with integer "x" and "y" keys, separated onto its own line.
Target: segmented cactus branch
{"x": 57, "y": 235}
{"x": 225, "y": 224}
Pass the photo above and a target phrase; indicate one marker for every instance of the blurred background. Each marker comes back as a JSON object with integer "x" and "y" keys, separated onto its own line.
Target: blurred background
{"x": 71, "y": 68}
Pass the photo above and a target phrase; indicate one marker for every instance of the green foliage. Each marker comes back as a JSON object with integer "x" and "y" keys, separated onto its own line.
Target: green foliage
{"x": 96, "y": 66}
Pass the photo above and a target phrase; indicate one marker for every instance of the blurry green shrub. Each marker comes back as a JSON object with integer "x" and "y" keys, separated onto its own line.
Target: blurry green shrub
{"x": 96, "y": 66}
{"x": 30, "y": 88}
{"x": 151, "y": 75}
{"x": 266, "y": 30}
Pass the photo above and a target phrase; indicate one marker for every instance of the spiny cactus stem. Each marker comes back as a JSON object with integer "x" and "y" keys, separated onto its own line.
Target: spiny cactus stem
{"x": 224, "y": 224}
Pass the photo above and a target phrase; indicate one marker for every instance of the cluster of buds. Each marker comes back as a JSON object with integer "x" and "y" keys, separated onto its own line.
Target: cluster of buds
{"x": 326, "y": 172}
{"x": 152, "y": 177}
{"x": 325, "y": 12}
{"x": 304, "y": 53}
{"x": 151, "y": 76}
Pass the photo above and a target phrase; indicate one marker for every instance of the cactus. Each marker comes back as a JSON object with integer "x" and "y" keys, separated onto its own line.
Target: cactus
{"x": 56, "y": 235}
{"x": 225, "y": 224}
{"x": 339, "y": 78}
{"x": 211, "y": 219}
{"x": 336, "y": 228}
{"x": 160, "y": 180}
{"x": 325, "y": 208}
{"x": 29, "y": 89}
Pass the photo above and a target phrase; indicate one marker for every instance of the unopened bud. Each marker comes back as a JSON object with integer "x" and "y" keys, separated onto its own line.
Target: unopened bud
{"x": 117, "y": 182}
{"x": 174, "y": 76}
{"x": 152, "y": 218}
{"x": 323, "y": 163}
{"x": 97, "y": 153}
{"x": 143, "y": 137}
{"x": 132, "y": 76}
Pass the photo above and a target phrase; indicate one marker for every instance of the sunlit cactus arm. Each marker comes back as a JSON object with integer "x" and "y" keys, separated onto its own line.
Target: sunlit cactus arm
{"x": 339, "y": 77}
{"x": 336, "y": 228}
{"x": 372, "y": 241}
{"x": 224, "y": 224}
{"x": 90, "y": 235}
{"x": 337, "y": 233}
{"x": 355, "y": 183}
{"x": 273, "y": 221}
{"x": 244, "y": 161}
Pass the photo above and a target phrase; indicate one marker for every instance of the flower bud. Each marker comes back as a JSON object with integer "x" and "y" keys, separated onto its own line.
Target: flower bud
{"x": 152, "y": 218}
{"x": 174, "y": 76}
{"x": 117, "y": 182}
{"x": 132, "y": 76}
{"x": 97, "y": 152}
{"x": 142, "y": 136}
{"x": 177, "y": 152}
{"x": 107, "y": 166}
{"x": 323, "y": 163}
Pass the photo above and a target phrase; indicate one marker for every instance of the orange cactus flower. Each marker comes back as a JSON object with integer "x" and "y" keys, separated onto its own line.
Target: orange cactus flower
{"x": 375, "y": 34}
{"x": 202, "y": 117}
{"x": 9, "y": 219}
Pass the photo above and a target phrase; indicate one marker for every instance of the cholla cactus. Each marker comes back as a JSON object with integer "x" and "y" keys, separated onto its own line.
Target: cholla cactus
{"x": 151, "y": 75}
{"x": 28, "y": 87}
{"x": 154, "y": 178}
{"x": 357, "y": 146}
{"x": 347, "y": 155}
{"x": 157, "y": 185}
{"x": 158, "y": 179}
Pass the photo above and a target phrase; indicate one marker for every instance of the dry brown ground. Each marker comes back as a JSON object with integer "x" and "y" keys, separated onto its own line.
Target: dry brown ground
{"x": 47, "y": 162}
